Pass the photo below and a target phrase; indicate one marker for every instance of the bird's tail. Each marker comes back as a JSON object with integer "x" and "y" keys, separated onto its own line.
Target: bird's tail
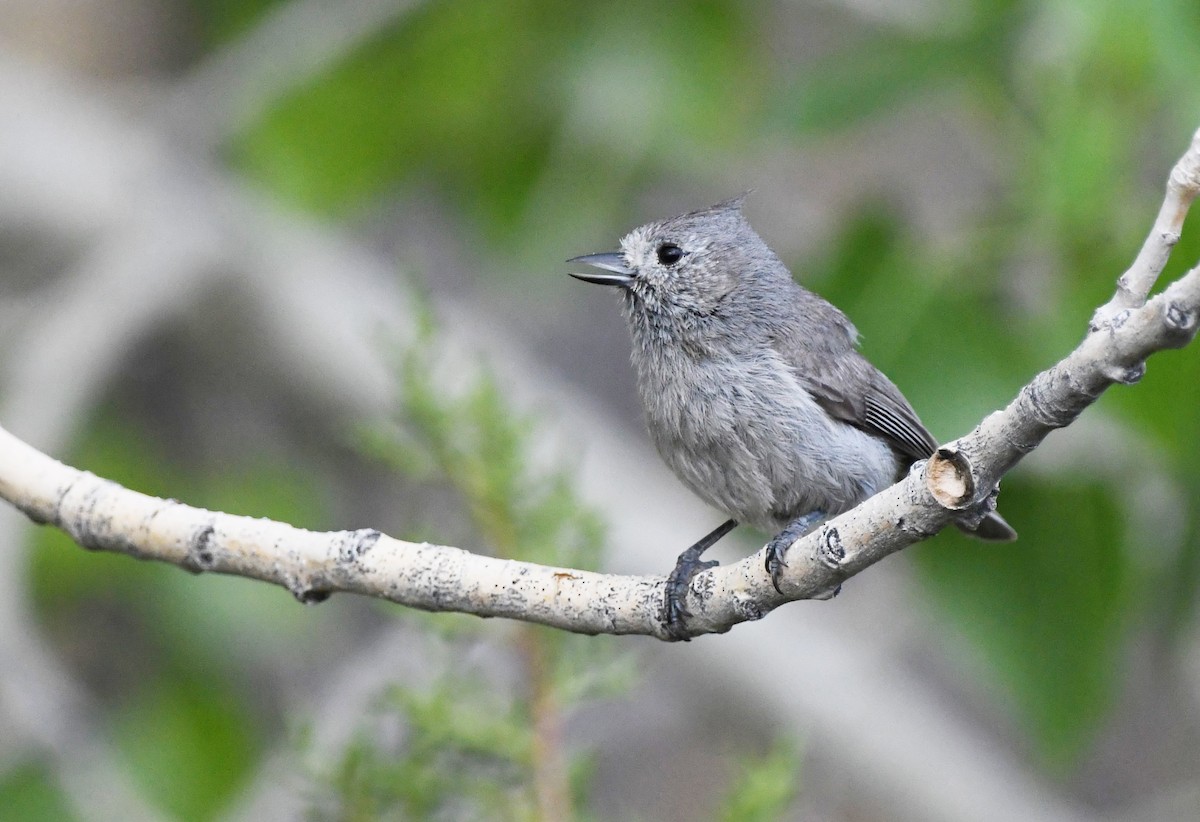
{"x": 991, "y": 528}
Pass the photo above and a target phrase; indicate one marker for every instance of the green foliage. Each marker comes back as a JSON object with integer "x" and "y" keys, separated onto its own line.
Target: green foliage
{"x": 189, "y": 740}
{"x": 463, "y": 754}
{"x": 472, "y": 98}
{"x": 29, "y": 794}
{"x": 483, "y": 450}
{"x": 224, "y": 20}
{"x": 427, "y": 90}
{"x": 882, "y": 71}
{"x": 765, "y": 786}
{"x": 1047, "y": 612}
{"x": 171, "y": 649}
{"x": 470, "y": 749}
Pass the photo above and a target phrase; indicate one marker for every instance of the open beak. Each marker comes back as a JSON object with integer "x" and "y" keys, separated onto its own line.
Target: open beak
{"x": 610, "y": 261}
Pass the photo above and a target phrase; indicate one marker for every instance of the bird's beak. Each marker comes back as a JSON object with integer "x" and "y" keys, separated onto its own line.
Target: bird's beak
{"x": 611, "y": 261}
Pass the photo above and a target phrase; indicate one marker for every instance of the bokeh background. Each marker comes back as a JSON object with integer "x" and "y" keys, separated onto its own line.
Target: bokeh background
{"x": 221, "y": 224}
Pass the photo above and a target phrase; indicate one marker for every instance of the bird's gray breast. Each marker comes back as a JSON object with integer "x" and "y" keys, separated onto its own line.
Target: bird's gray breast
{"x": 742, "y": 433}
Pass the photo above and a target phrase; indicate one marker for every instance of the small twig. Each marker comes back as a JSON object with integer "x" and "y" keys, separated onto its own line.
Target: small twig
{"x": 1133, "y": 287}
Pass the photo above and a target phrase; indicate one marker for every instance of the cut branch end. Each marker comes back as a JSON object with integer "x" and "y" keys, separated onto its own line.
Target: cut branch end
{"x": 949, "y": 479}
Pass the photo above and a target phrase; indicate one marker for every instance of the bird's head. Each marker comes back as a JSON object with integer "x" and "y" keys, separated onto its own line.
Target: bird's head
{"x": 685, "y": 265}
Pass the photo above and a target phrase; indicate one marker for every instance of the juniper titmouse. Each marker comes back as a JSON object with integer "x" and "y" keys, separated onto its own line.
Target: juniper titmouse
{"x": 755, "y": 393}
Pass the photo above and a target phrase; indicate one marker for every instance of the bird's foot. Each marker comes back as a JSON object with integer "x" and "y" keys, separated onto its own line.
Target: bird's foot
{"x": 675, "y": 613}
{"x": 678, "y": 584}
{"x": 777, "y": 547}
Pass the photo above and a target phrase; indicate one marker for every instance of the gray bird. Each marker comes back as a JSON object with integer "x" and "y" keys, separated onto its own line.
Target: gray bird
{"x": 754, "y": 390}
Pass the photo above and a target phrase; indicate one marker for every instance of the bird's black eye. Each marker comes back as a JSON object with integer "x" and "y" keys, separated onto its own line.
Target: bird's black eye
{"x": 669, "y": 254}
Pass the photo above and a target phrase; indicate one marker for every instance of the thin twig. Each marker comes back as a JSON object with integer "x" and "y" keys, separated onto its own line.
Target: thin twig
{"x": 1133, "y": 287}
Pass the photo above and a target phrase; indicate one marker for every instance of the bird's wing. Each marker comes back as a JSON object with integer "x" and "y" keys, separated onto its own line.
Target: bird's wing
{"x": 850, "y": 389}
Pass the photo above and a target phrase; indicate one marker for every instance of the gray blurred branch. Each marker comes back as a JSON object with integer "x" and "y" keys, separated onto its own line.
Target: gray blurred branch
{"x": 295, "y": 42}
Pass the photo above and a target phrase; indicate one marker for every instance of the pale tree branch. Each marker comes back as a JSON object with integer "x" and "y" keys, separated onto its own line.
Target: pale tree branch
{"x": 959, "y": 482}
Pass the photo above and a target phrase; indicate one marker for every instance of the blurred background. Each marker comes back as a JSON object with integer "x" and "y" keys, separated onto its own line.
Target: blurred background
{"x": 303, "y": 260}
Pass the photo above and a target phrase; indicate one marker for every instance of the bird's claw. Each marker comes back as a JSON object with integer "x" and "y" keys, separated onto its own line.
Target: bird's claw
{"x": 675, "y": 613}
{"x": 777, "y": 547}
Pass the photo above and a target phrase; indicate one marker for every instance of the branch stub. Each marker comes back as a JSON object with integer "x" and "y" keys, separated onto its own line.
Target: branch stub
{"x": 949, "y": 479}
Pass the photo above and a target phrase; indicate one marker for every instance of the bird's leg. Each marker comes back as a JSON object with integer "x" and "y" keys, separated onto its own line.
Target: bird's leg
{"x": 680, "y": 580}
{"x": 778, "y": 546}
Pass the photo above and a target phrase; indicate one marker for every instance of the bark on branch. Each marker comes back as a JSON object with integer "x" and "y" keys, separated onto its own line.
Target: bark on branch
{"x": 960, "y": 481}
